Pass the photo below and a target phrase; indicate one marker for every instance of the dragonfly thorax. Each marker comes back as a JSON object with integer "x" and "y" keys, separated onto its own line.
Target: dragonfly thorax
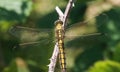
{"x": 59, "y": 26}
{"x": 59, "y": 30}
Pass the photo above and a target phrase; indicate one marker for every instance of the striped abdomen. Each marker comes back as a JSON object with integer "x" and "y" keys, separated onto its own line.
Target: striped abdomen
{"x": 61, "y": 54}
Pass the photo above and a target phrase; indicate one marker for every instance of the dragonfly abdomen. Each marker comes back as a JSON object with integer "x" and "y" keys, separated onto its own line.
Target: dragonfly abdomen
{"x": 62, "y": 55}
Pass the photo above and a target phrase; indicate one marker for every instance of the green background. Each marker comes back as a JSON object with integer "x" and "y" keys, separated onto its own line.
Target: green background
{"x": 94, "y": 53}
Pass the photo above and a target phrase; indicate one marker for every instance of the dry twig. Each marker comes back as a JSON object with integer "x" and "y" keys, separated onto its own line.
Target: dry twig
{"x": 63, "y": 17}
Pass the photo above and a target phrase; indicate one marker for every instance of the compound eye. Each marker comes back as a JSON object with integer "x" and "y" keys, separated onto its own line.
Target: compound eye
{"x": 58, "y": 21}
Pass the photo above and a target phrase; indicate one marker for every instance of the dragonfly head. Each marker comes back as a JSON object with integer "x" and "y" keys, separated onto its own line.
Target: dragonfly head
{"x": 58, "y": 24}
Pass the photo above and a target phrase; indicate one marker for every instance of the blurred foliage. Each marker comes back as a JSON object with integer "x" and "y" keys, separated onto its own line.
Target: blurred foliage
{"x": 105, "y": 66}
{"x": 84, "y": 53}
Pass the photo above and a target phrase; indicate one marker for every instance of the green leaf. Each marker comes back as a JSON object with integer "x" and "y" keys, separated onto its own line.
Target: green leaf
{"x": 19, "y": 6}
{"x": 105, "y": 66}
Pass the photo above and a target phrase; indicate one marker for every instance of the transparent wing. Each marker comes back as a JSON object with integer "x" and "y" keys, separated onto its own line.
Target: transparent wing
{"x": 87, "y": 28}
{"x": 29, "y": 34}
{"x": 82, "y": 31}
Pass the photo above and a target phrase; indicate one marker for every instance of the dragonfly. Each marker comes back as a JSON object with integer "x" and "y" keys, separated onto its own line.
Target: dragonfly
{"x": 31, "y": 36}
{"x": 59, "y": 30}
